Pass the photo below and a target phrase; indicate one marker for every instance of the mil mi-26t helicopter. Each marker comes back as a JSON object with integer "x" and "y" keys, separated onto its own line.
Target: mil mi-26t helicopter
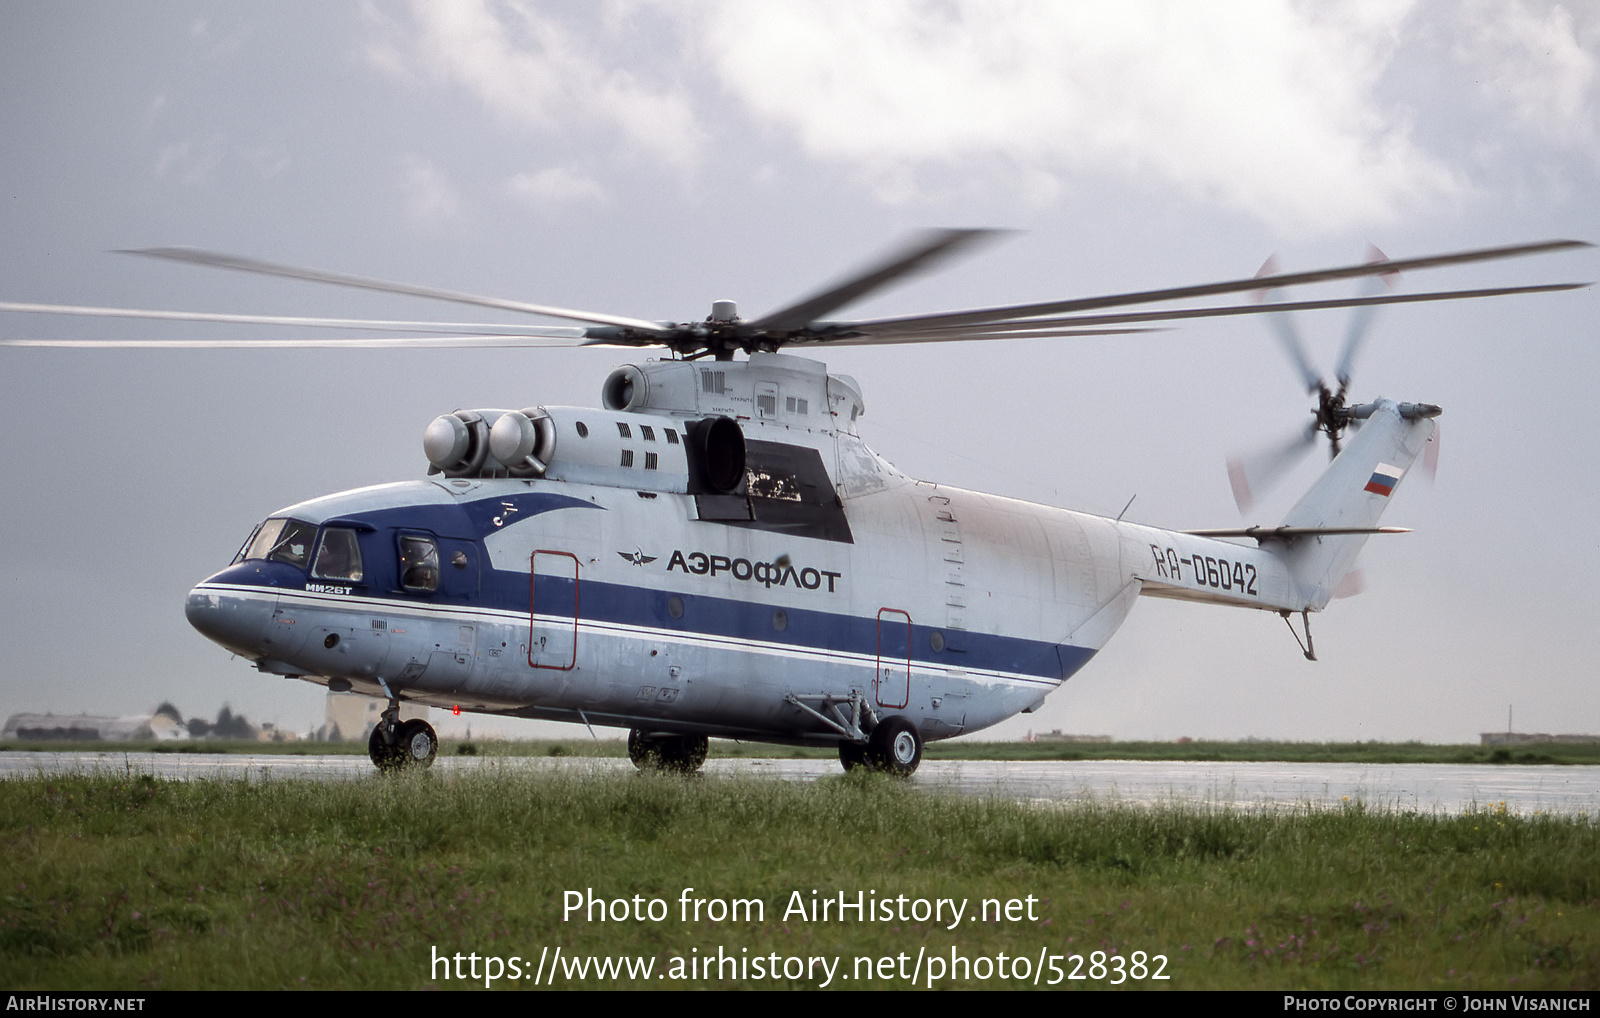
{"x": 716, "y": 552}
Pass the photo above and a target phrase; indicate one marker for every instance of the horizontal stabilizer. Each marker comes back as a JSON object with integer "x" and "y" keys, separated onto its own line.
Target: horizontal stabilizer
{"x": 1287, "y": 533}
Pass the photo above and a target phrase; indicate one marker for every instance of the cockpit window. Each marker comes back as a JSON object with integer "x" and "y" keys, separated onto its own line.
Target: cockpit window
{"x": 281, "y": 540}
{"x": 339, "y": 557}
{"x": 244, "y": 549}
{"x": 419, "y": 563}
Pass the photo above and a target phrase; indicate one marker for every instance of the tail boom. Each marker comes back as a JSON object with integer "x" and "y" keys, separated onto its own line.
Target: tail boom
{"x": 1298, "y": 565}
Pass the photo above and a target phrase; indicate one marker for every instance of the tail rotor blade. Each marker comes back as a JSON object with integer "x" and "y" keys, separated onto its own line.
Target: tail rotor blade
{"x": 1354, "y": 582}
{"x": 1430, "y": 455}
{"x": 1252, "y": 475}
{"x": 1284, "y": 328}
{"x": 1361, "y": 319}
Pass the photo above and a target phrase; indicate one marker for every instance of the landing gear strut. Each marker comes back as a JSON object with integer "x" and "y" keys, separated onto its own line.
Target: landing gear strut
{"x": 655, "y": 752}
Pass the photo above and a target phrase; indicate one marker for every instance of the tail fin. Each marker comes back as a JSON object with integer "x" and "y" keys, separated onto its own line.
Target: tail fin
{"x": 1353, "y": 492}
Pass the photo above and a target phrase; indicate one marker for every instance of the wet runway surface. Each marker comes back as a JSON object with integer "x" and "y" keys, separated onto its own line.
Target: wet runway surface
{"x": 1444, "y": 788}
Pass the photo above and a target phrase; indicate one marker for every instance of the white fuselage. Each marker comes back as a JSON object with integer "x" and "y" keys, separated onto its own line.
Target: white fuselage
{"x": 604, "y": 592}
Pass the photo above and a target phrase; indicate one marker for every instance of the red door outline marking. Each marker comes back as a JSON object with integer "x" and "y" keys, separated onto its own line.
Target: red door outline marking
{"x": 888, "y": 672}
{"x": 533, "y": 579}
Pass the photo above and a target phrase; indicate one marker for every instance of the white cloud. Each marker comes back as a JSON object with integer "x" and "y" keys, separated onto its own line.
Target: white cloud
{"x": 531, "y": 68}
{"x": 1260, "y": 106}
{"x": 1532, "y": 58}
{"x": 557, "y": 185}
{"x": 1283, "y": 111}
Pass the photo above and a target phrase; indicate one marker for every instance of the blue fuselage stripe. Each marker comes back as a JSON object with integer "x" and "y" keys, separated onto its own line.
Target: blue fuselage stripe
{"x": 711, "y": 616}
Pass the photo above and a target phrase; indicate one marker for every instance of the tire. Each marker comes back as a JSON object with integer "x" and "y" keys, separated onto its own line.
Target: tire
{"x": 683, "y": 754}
{"x": 854, "y": 755}
{"x": 384, "y": 756}
{"x": 895, "y": 747}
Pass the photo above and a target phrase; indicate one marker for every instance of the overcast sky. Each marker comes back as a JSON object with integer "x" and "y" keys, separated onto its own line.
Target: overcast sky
{"x": 645, "y": 159}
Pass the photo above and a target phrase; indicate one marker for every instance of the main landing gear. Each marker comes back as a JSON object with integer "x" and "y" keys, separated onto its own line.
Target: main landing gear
{"x": 653, "y": 751}
{"x": 397, "y": 745}
{"x": 894, "y": 747}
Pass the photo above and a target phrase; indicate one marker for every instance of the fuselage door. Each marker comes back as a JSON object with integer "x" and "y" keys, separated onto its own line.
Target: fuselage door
{"x": 553, "y": 610}
{"x": 893, "y": 683}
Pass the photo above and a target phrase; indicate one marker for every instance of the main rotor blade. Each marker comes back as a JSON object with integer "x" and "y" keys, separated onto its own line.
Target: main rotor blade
{"x": 926, "y": 250}
{"x": 214, "y": 259}
{"x": 960, "y": 336}
{"x": 990, "y": 315}
{"x": 892, "y": 331}
{"x": 453, "y": 328}
{"x": 349, "y": 342}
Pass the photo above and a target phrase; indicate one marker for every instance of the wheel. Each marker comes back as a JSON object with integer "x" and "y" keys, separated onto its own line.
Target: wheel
{"x": 385, "y": 755}
{"x": 895, "y": 747}
{"x": 681, "y": 753}
{"x": 853, "y": 755}
{"x": 416, "y": 744}
{"x": 685, "y": 753}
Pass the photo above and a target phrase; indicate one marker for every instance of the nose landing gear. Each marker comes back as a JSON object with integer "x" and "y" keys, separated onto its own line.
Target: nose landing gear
{"x": 396, "y": 745}
{"x": 414, "y": 747}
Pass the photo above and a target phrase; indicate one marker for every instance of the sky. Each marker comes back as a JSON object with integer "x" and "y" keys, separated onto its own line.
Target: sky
{"x": 647, "y": 158}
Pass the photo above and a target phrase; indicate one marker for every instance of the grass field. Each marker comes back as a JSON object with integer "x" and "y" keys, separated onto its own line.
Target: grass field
{"x": 133, "y": 882}
{"x": 1296, "y": 752}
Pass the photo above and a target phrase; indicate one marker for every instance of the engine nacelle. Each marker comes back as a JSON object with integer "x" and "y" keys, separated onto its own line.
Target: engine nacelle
{"x": 647, "y": 452}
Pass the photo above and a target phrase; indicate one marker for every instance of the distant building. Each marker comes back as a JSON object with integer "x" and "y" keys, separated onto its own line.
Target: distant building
{"x": 1057, "y": 735}
{"x": 160, "y": 726}
{"x": 351, "y": 717}
{"x": 1533, "y": 739}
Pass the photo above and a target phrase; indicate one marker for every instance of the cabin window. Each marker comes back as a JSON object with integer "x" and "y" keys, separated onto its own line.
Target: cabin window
{"x": 675, "y": 606}
{"x": 281, "y": 540}
{"x": 419, "y": 563}
{"x": 780, "y": 620}
{"x": 624, "y": 430}
{"x": 339, "y": 557}
{"x": 647, "y": 433}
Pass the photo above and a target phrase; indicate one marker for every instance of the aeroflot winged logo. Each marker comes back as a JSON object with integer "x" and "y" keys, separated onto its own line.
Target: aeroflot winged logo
{"x": 772, "y": 574}
{"x": 637, "y": 557}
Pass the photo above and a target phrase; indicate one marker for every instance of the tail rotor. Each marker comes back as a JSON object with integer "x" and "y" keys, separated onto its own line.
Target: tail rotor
{"x": 1251, "y": 475}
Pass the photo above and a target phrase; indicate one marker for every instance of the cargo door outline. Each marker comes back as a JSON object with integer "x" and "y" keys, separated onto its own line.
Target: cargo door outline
{"x": 894, "y": 665}
{"x": 552, "y": 644}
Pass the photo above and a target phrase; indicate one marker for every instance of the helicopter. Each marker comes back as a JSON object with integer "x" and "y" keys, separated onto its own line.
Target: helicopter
{"x": 714, "y": 552}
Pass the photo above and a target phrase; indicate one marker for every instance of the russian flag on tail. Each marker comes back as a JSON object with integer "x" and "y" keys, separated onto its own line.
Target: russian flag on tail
{"x": 1384, "y": 478}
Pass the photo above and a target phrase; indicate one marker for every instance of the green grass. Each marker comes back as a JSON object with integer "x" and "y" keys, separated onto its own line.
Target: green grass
{"x": 1292, "y": 752}
{"x": 134, "y": 882}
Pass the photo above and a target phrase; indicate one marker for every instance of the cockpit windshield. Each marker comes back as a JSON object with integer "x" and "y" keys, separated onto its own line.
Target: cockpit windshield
{"x": 283, "y": 540}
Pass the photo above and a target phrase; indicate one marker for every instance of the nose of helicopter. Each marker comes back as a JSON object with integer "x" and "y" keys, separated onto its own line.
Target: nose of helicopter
{"x": 237, "y": 621}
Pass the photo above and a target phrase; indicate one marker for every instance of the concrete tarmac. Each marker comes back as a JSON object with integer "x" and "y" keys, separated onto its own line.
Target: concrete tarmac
{"x": 1429, "y": 788}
